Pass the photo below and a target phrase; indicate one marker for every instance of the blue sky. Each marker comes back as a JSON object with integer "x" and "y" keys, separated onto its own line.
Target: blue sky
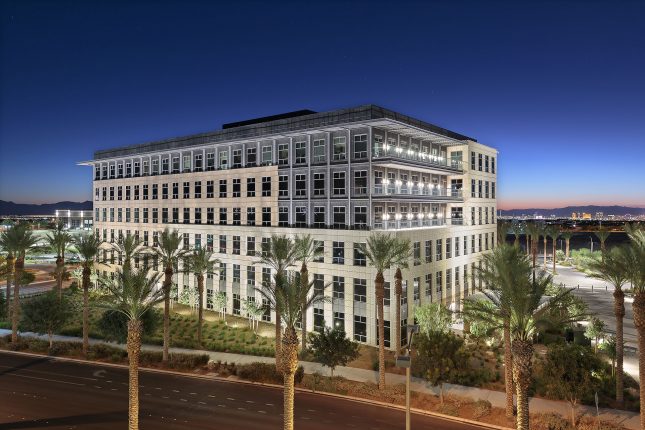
{"x": 557, "y": 87}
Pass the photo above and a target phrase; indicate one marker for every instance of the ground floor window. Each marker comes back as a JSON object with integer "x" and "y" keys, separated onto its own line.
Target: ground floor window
{"x": 360, "y": 328}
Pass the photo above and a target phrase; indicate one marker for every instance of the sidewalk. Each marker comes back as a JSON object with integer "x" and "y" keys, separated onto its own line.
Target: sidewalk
{"x": 496, "y": 398}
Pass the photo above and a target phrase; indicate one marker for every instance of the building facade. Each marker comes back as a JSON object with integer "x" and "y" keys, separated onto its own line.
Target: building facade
{"x": 337, "y": 176}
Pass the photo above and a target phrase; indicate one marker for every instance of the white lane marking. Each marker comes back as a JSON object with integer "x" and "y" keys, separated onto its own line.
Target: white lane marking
{"x": 157, "y": 388}
{"x": 97, "y": 386}
{"x": 193, "y": 394}
{"x": 311, "y": 410}
{"x": 99, "y": 373}
{"x": 201, "y": 403}
{"x": 108, "y": 381}
{"x": 250, "y": 401}
{"x": 222, "y": 406}
{"x": 112, "y": 389}
{"x": 211, "y": 396}
{"x": 230, "y": 398}
{"x": 175, "y": 391}
{"x": 241, "y": 409}
{"x": 262, "y": 412}
{"x": 183, "y": 400}
{"x": 269, "y": 404}
{"x": 165, "y": 397}
{"x": 45, "y": 379}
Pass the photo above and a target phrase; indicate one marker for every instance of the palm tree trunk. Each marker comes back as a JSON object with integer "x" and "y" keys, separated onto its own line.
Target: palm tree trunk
{"x": 380, "y": 293}
{"x": 278, "y": 327}
{"x": 289, "y": 367}
{"x": 135, "y": 327}
{"x": 522, "y": 370}
{"x": 398, "y": 288}
{"x": 200, "y": 312}
{"x": 545, "y": 252}
{"x": 59, "y": 277}
{"x": 553, "y": 255}
{"x": 602, "y": 251}
{"x": 167, "y": 286}
{"x": 508, "y": 368}
{"x": 304, "y": 281}
{"x": 86, "y": 309}
{"x": 567, "y": 248}
{"x": 639, "y": 321}
{"x": 528, "y": 246}
{"x": 619, "y": 311}
{"x": 10, "y": 272}
{"x": 15, "y": 313}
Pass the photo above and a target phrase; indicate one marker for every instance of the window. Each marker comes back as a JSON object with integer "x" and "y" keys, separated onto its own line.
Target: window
{"x": 222, "y": 244}
{"x": 210, "y": 189}
{"x": 486, "y": 163}
{"x": 338, "y": 287}
{"x": 198, "y": 190}
{"x": 250, "y": 216}
{"x": 266, "y": 186}
{"x": 237, "y": 158}
{"x": 359, "y": 257}
{"x": 222, "y": 216}
{"x": 283, "y": 217}
{"x": 175, "y": 190}
{"x": 186, "y": 190}
{"x": 338, "y": 253}
{"x": 266, "y": 217}
{"x": 210, "y": 216}
{"x": 111, "y": 193}
{"x": 164, "y": 215}
{"x": 301, "y": 185}
{"x": 339, "y": 183}
{"x": 492, "y": 190}
{"x": 155, "y": 215}
{"x": 250, "y": 279}
{"x": 480, "y": 215}
{"x": 319, "y": 184}
{"x": 473, "y": 189}
{"x": 236, "y": 245}
{"x": 136, "y": 192}
{"x": 251, "y": 156}
{"x": 250, "y": 246}
{"x": 439, "y": 283}
{"x": 222, "y": 188}
{"x": 319, "y": 217}
{"x": 428, "y": 251}
{"x": 283, "y": 153}
{"x": 283, "y": 186}
{"x": 340, "y": 148}
{"x": 448, "y": 281}
{"x": 112, "y": 171}
{"x": 319, "y": 251}
{"x": 339, "y": 320}
{"x": 301, "y": 216}
{"x": 237, "y": 216}
{"x": 492, "y": 164}
{"x": 360, "y": 328}
{"x": 198, "y": 162}
{"x": 186, "y": 163}
{"x": 360, "y": 182}
{"x": 319, "y": 318}
{"x": 415, "y": 289}
{"x": 119, "y": 193}
{"x": 267, "y": 155}
{"x": 472, "y": 160}
{"x": 155, "y": 191}
{"x": 360, "y": 217}
{"x": 456, "y": 247}
{"x": 319, "y": 151}
{"x": 186, "y": 241}
{"x": 428, "y": 291}
{"x": 237, "y": 188}
{"x": 439, "y": 249}
{"x": 360, "y": 290}
{"x": 416, "y": 253}
{"x": 210, "y": 161}
{"x": 360, "y": 146}
{"x": 175, "y": 164}
{"x": 198, "y": 215}
{"x": 164, "y": 191}
{"x": 479, "y": 164}
{"x": 145, "y": 214}
{"x": 301, "y": 156}
{"x": 472, "y": 244}
{"x": 339, "y": 217}
{"x": 186, "y": 215}
{"x": 465, "y": 245}
{"x": 223, "y": 160}
{"x": 250, "y": 187}
{"x": 448, "y": 247}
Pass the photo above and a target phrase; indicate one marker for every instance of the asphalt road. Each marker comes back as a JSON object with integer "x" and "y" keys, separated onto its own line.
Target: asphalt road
{"x": 45, "y": 393}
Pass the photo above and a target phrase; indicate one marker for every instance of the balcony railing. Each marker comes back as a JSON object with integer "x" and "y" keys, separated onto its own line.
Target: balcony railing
{"x": 398, "y": 188}
{"x": 396, "y": 224}
{"x": 388, "y": 151}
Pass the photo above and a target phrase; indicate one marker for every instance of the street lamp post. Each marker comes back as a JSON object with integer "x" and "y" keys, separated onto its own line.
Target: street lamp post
{"x": 405, "y": 361}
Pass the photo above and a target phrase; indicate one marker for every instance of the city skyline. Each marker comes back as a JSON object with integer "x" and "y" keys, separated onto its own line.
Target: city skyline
{"x": 74, "y": 82}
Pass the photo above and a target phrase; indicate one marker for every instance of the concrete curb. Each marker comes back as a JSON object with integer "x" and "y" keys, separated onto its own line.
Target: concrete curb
{"x": 273, "y": 386}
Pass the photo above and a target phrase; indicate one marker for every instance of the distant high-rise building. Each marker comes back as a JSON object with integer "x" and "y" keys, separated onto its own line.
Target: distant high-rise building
{"x": 600, "y": 215}
{"x": 586, "y": 215}
{"x": 574, "y": 215}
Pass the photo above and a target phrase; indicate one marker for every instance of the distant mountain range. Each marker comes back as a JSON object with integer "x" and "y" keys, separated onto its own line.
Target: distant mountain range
{"x": 11, "y": 208}
{"x": 566, "y": 211}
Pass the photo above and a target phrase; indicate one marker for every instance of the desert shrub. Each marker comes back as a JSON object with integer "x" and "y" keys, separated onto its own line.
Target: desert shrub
{"x": 65, "y": 348}
{"x": 549, "y": 421}
{"x": 148, "y": 358}
{"x": 187, "y": 361}
{"x": 587, "y": 422}
{"x": 102, "y": 351}
{"x": 449, "y": 409}
{"x": 481, "y": 408}
{"x": 266, "y": 372}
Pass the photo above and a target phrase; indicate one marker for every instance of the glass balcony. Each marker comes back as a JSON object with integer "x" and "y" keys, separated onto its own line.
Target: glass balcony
{"x": 388, "y": 151}
{"x": 398, "y": 188}
{"x": 409, "y": 221}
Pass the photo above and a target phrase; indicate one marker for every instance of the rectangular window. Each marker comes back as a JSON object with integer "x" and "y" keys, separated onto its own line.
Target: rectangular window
{"x": 198, "y": 162}
{"x": 186, "y": 241}
{"x": 319, "y": 151}
{"x": 250, "y": 187}
{"x": 164, "y": 191}
{"x": 319, "y": 253}
{"x": 155, "y": 191}
{"x": 209, "y": 242}
{"x": 210, "y": 161}
{"x": 319, "y": 184}
{"x": 319, "y": 217}
{"x": 210, "y": 216}
{"x": 428, "y": 251}
{"x": 479, "y": 164}
{"x": 267, "y": 155}
{"x": 301, "y": 185}
{"x": 223, "y": 160}
{"x": 439, "y": 284}
{"x": 186, "y": 190}
{"x": 338, "y": 287}
{"x": 237, "y": 188}
{"x": 175, "y": 190}
{"x": 222, "y": 188}
{"x": 237, "y": 216}
{"x": 250, "y": 246}
{"x": 222, "y": 216}
{"x": 439, "y": 250}
{"x": 222, "y": 244}
{"x": 251, "y": 157}
{"x": 250, "y": 216}
{"x": 266, "y": 217}
{"x": 338, "y": 253}
{"x": 340, "y": 148}
{"x": 186, "y": 215}
{"x": 465, "y": 245}
{"x": 236, "y": 245}
{"x": 457, "y": 247}
{"x": 175, "y": 164}
{"x": 283, "y": 217}
{"x": 360, "y": 146}
{"x": 339, "y": 217}
{"x": 448, "y": 281}
{"x": 164, "y": 215}
{"x": 416, "y": 253}
{"x": 428, "y": 284}
{"x": 198, "y": 215}
{"x": 266, "y": 186}
{"x": 339, "y": 183}
{"x": 283, "y": 186}
{"x": 360, "y": 217}
{"x": 360, "y": 182}
{"x": 359, "y": 257}
{"x": 237, "y": 158}
{"x": 283, "y": 153}
{"x": 198, "y": 190}
{"x": 360, "y": 328}
{"x": 301, "y": 154}
{"x": 301, "y": 216}
{"x": 187, "y": 166}
{"x": 448, "y": 247}
{"x": 210, "y": 189}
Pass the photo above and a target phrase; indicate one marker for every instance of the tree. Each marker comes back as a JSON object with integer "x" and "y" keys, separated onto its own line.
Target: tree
{"x": 609, "y": 348}
{"x": 128, "y": 248}
{"x": 114, "y": 324}
{"x": 168, "y": 252}
{"x": 201, "y": 263}
{"x": 602, "y": 235}
{"x": 433, "y": 317}
{"x": 476, "y": 313}
{"x": 280, "y": 253}
{"x": 18, "y": 241}
{"x": 440, "y": 358}
{"x": 614, "y": 269}
{"x": 46, "y": 314}
{"x": 533, "y": 230}
{"x": 332, "y": 348}
{"x": 58, "y": 242}
{"x": 254, "y": 312}
{"x": 553, "y": 232}
{"x": 87, "y": 247}
{"x": 133, "y": 294}
{"x": 595, "y": 331}
{"x": 219, "y": 302}
{"x": 516, "y": 229}
{"x": 570, "y": 374}
{"x": 384, "y": 251}
{"x": 503, "y": 229}
{"x": 567, "y": 235}
{"x": 4, "y": 270}
{"x": 289, "y": 299}
{"x": 307, "y": 251}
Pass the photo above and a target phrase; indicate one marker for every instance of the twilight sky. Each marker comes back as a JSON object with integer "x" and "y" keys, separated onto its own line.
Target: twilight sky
{"x": 557, "y": 87}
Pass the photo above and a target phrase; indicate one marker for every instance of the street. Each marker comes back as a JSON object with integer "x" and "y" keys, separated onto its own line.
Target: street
{"x": 46, "y": 393}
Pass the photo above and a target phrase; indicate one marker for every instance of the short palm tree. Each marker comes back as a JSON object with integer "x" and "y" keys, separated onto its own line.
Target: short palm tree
{"x": 129, "y": 248}
{"x": 201, "y": 263}
{"x": 18, "y": 241}
{"x": 87, "y": 247}
{"x": 307, "y": 251}
{"x": 133, "y": 294}
{"x": 289, "y": 298}
{"x": 516, "y": 229}
{"x": 6, "y": 244}
{"x": 501, "y": 270}
{"x": 58, "y": 242}
{"x": 279, "y": 254}
{"x": 384, "y": 251}
{"x": 567, "y": 235}
{"x": 602, "y": 234}
{"x": 534, "y": 231}
{"x": 553, "y": 232}
{"x": 503, "y": 229}
{"x": 168, "y": 251}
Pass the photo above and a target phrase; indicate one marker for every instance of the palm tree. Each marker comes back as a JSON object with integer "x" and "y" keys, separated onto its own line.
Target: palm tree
{"x": 501, "y": 270}
{"x": 290, "y": 298}
{"x": 201, "y": 262}
{"x": 516, "y": 229}
{"x": 129, "y": 248}
{"x": 553, "y": 232}
{"x": 384, "y": 251}
{"x": 307, "y": 251}
{"x": 19, "y": 241}
{"x": 133, "y": 294}
{"x": 398, "y": 294}
{"x": 567, "y": 235}
{"x": 635, "y": 254}
{"x": 6, "y": 244}
{"x": 602, "y": 235}
{"x": 533, "y": 230}
{"x": 59, "y": 241}
{"x": 168, "y": 251}
{"x": 503, "y": 229}
{"x": 87, "y": 247}
{"x": 279, "y": 254}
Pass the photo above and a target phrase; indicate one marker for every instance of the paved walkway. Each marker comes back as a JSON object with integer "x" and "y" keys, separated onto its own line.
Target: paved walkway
{"x": 496, "y": 398}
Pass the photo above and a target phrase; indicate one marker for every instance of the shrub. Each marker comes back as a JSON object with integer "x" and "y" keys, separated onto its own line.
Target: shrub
{"x": 549, "y": 421}
{"x": 587, "y": 422}
{"x": 65, "y": 348}
{"x": 449, "y": 409}
{"x": 187, "y": 361}
{"x": 102, "y": 351}
{"x": 481, "y": 408}
{"x": 266, "y": 372}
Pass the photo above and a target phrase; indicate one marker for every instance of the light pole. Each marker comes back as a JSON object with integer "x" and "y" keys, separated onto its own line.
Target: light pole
{"x": 405, "y": 361}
